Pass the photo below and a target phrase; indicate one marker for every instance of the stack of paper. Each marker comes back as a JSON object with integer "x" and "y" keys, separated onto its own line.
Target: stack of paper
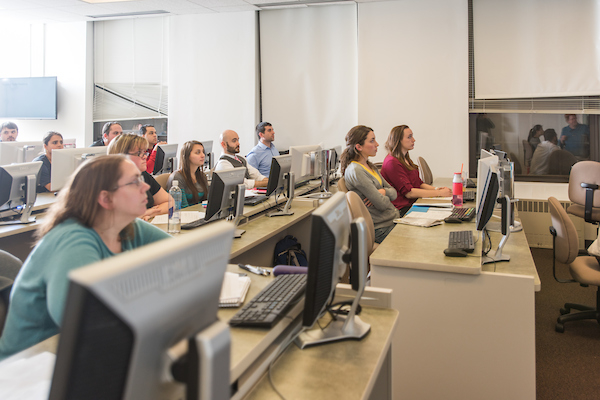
{"x": 425, "y": 216}
{"x": 27, "y": 378}
{"x": 186, "y": 217}
{"x": 234, "y": 289}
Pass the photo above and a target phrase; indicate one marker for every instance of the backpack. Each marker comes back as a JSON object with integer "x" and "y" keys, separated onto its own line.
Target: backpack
{"x": 289, "y": 252}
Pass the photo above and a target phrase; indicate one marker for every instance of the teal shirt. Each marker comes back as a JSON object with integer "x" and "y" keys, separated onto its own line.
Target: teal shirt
{"x": 38, "y": 296}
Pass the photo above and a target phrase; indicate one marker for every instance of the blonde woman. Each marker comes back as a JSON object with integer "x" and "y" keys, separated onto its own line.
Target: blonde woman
{"x": 135, "y": 147}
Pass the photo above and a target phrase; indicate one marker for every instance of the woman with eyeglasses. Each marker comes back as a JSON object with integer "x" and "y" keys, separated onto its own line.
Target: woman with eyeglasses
{"x": 135, "y": 147}
{"x": 94, "y": 217}
{"x": 190, "y": 177}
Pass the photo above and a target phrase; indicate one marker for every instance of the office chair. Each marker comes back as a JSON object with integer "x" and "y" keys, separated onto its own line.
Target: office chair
{"x": 9, "y": 268}
{"x": 358, "y": 209}
{"x": 162, "y": 180}
{"x": 583, "y": 181}
{"x": 341, "y": 185}
{"x": 561, "y": 162}
{"x": 426, "y": 174}
{"x": 527, "y": 155}
{"x": 584, "y": 270}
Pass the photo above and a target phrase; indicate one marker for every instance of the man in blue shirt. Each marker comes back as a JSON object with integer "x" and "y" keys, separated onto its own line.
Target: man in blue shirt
{"x": 575, "y": 138}
{"x": 260, "y": 156}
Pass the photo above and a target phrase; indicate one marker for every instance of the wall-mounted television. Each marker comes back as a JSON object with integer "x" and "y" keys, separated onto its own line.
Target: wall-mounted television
{"x": 28, "y": 98}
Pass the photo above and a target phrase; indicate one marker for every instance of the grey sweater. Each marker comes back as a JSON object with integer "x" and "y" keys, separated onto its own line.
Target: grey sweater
{"x": 366, "y": 186}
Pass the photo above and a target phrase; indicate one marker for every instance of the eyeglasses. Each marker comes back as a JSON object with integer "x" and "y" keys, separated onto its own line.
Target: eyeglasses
{"x": 139, "y": 153}
{"x": 139, "y": 181}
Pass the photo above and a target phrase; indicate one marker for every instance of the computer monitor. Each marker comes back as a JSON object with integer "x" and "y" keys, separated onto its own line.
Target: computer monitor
{"x": 487, "y": 203}
{"x": 334, "y": 163}
{"x": 66, "y": 161}
{"x": 304, "y": 162}
{"x": 226, "y": 196}
{"x": 281, "y": 180}
{"x": 19, "y": 152}
{"x": 484, "y": 165}
{"x": 123, "y": 314}
{"x": 329, "y": 250}
{"x": 209, "y": 155}
{"x": 18, "y": 183}
{"x": 166, "y": 159}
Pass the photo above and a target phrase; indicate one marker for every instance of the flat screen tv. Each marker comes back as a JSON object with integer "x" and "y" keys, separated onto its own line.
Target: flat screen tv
{"x": 28, "y": 98}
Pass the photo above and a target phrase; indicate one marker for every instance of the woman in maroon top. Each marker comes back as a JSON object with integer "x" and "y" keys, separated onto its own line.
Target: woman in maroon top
{"x": 403, "y": 174}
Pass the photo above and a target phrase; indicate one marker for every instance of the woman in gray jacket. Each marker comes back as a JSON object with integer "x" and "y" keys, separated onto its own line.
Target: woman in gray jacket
{"x": 362, "y": 177}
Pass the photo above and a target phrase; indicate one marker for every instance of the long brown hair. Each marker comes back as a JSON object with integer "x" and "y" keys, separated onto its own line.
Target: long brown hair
{"x": 392, "y": 144}
{"x": 184, "y": 169}
{"x": 78, "y": 199}
{"x": 356, "y": 135}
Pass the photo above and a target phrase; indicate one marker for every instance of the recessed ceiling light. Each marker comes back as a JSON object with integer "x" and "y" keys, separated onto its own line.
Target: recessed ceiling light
{"x": 104, "y": 1}
{"x": 281, "y": 6}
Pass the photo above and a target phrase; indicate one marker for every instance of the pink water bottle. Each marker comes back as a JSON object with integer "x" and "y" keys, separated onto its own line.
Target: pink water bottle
{"x": 457, "y": 190}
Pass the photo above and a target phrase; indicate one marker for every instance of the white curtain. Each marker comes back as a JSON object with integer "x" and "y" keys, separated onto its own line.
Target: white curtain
{"x": 131, "y": 68}
{"x": 413, "y": 70}
{"x": 309, "y": 74}
{"x": 212, "y": 77}
{"x": 536, "y": 48}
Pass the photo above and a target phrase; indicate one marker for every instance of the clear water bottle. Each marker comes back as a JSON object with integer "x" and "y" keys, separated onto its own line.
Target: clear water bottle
{"x": 174, "y": 225}
{"x": 457, "y": 190}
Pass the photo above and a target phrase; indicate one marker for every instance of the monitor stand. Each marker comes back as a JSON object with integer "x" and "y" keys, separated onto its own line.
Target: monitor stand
{"x": 239, "y": 210}
{"x": 26, "y": 217}
{"x": 505, "y": 229}
{"x": 206, "y": 366}
{"x": 290, "y": 182}
{"x": 324, "y": 192}
{"x": 515, "y": 226}
{"x": 346, "y": 326}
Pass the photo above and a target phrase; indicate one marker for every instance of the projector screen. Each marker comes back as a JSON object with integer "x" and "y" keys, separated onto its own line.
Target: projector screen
{"x": 28, "y": 98}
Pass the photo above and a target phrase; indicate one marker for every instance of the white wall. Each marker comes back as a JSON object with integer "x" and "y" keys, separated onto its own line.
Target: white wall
{"x": 413, "y": 70}
{"x": 61, "y": 50}
{"x": 212, "y": 77}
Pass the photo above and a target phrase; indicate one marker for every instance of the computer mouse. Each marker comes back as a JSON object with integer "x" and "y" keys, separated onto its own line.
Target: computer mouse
{"x": 455, "y": 253}
{"x": 453, "y": 220}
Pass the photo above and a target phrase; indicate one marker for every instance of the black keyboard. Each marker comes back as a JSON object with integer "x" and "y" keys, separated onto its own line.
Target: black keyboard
{"x": 469, "y": 195}
{"x": 195, "y": 224}
{"x": 272, "y": 303}
{"x": 464, "y": 214}
{"x": 254, "y": 200}
{"x": 461, "y": 240}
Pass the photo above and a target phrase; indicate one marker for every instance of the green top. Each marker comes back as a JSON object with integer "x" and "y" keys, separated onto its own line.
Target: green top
{"x": 38, "y": 295}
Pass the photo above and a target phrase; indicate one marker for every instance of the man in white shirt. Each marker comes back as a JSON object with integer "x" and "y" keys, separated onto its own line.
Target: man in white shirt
{"x": 230, "y": 141}
{"x": 540, "y": 162}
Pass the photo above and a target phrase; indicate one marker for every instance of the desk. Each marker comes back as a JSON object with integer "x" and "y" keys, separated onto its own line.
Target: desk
{"x": 18, "y": 239}
{"x": 348, "y": 370}
{"x": 465, "y": 332}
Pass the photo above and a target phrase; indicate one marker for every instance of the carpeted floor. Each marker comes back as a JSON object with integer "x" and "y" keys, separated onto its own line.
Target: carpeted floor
{"x": 567, "y": 364}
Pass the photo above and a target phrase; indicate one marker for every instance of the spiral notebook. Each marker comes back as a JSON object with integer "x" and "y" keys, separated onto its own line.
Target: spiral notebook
{"x": 234, "y": 289}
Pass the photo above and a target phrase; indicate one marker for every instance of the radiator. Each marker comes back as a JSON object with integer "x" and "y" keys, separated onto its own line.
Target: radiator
{"x": 535, "y": 217}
